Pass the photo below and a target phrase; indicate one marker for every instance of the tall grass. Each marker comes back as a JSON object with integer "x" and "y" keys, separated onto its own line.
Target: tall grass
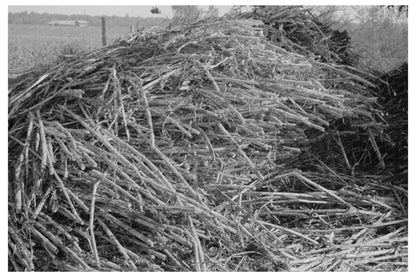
{"x": 37, "y": 45}
{"x": 28, "y": 52}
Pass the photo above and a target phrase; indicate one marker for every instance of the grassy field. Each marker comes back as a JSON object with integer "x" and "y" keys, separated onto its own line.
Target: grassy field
{"x": 35, "y": 45}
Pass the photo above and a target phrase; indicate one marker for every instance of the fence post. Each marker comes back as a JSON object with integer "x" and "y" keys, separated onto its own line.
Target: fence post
{"x": 103, "y": 30}
{"x": 131, "y": 28}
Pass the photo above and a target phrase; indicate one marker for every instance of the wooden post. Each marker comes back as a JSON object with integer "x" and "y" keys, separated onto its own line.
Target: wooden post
{"x": 103, "y": 30}
{"x": 131, "y": 28}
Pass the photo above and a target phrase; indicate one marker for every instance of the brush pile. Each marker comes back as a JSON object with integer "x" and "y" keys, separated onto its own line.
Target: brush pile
{"x": 175, "y": 151}
{"x": 297, "y": 30}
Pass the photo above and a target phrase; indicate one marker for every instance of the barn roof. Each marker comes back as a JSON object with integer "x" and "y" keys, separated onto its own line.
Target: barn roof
{"x": 67, "y": 22}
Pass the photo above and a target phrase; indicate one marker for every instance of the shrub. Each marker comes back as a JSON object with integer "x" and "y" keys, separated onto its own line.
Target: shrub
{"x": 378, "y": 34}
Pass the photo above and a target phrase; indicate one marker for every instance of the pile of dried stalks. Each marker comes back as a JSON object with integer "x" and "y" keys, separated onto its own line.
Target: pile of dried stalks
{"x": 176, "y": 151}
{"x": 296, "y": 29}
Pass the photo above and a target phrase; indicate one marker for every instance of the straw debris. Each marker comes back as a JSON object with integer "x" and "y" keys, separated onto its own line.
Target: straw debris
{"x": 185, "y": 150}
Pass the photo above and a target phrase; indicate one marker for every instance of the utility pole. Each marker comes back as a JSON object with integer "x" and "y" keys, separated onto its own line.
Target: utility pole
{"x": 103, "y": 30}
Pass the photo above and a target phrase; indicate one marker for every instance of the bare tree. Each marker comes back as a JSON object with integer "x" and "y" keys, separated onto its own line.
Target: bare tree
{"x": 184, "y": 15}
{"x": 212, "y": 12}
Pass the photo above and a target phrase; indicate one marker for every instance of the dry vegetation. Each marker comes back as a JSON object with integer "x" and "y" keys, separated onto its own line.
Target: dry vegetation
{"x": 378, "y": 34}
{"x": 31, "y": 46}
{"x": 209, "y": 148}
{"x": 381, "y": 39}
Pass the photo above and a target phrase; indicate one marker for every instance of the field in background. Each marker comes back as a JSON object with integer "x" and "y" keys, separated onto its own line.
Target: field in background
{"x": 378, "y": 35}
{"x": 36, "y": 45}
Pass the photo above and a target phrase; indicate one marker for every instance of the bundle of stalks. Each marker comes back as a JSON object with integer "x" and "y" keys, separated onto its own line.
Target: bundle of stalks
{"x": 171, "y": 152}
{"x": 296, "y": 29}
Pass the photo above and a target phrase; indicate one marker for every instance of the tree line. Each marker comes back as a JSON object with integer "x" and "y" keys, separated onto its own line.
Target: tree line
{"x": 44, "y": 18}
{"x": 182, "y": 15}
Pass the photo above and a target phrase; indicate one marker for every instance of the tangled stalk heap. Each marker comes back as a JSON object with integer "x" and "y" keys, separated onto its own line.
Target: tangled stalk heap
{"x": 297, "y": 30}
{"x": 168, "y": 151}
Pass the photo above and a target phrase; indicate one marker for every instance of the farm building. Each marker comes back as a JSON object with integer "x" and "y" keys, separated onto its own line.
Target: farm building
{"x": 75, "y": 23}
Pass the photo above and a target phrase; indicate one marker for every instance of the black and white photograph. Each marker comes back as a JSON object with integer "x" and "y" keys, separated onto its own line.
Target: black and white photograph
{"x": 207, "y": 138}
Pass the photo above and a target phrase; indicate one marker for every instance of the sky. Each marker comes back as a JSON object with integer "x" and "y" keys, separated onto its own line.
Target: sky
{"x": 142, "y": 10}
